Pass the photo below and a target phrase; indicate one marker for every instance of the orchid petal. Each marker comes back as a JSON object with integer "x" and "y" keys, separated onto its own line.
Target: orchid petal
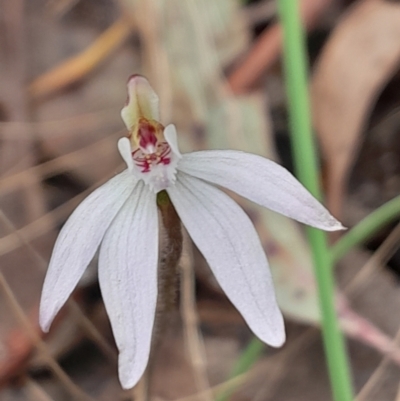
{"x": 226, "y": 237}
{"x": 262, "y": 181}
{"x": 78, "y": 241}
{"x": 128, "y": 280}
{"x": 124, "y": 147}
{"x": 142, "y": 102}
{"x": 171, "y": 137}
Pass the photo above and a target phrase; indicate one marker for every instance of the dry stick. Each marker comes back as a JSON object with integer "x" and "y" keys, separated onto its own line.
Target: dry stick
{"x": 70, "y": 126}
{"x": 266, "y": 51}
{"x": 83, "y": 321}
{"x": 79, "y": 66}
{"x": 34, "y": 391}
{"x": 287, "y": 353}
{"x": 91, "y": 331}
{"x": 42, "y": 225}
{"x": 278, "y": 368}
{"x": 380, "y": 257}
{"x": 220, "y": 388}
{"x": 72, "y": 388}
{"x": 193, "y": 337}
{"x": 377, "y": 375}
{"x": 45, "y": 223}
{"x": 60, "y": 164}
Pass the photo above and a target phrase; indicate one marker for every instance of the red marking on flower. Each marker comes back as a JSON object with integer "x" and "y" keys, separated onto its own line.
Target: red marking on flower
{"x": 145, "y": 161}
{"x": 146, "y": 134}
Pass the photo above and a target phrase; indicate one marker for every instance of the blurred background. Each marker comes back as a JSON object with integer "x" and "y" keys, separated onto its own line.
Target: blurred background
{"x": 216, "y": 67}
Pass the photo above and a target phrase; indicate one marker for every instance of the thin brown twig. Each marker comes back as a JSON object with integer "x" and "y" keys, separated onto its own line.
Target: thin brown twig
{"x": 41, "y": 225}
{"x": 277, "y": 368}
{"x": 45, "y": 223}
{"x": 60, "y": 164}
{"x": 377, "y": 375}
{"x": 229, "y": 385}
{"x": 379, "y": 258}
{"x": 35, "y": 392}
{"x": 74, "y": 125}
{"x": 91, "y": 331}
{"x": 221, "y": 388}
{"x": 193, "y": 338}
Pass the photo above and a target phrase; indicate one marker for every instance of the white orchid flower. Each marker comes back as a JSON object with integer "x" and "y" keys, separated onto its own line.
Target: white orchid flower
{"x": 121, "y": 217}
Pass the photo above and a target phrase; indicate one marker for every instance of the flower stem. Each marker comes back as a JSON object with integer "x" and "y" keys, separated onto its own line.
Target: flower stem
{"x": 307, "y": 170}
{"x": 170, "y": 253}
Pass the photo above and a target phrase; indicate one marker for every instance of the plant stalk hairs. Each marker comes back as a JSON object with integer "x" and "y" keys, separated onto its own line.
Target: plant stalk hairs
{"x": 121, "y": 219}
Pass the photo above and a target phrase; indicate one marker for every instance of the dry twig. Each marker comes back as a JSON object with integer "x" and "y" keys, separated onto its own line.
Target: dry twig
{"x": 193, "y": 337}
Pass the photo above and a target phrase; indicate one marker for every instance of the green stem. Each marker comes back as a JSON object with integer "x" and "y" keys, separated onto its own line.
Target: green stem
{"x": 307, "y": 170}
{"x": 366, "y": 228}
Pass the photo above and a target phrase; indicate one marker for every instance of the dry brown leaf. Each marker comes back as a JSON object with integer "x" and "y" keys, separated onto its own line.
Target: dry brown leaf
{"x": 359, "y": 58}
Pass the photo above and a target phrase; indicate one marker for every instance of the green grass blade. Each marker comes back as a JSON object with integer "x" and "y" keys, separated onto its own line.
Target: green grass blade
{"x": 308, "y": 173}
